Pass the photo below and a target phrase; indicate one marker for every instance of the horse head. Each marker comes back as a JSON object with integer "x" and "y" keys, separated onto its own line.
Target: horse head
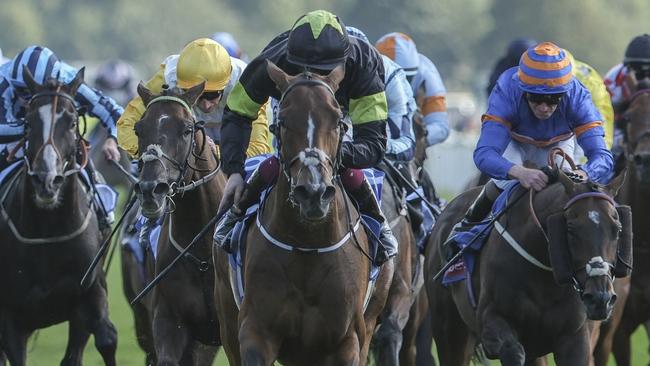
{"x": 166, "y": 140}
{"x": 587, "y": 242}
{"x": 637, "y": 128}
{"x": 309, "y": 133}
{"x": 51, "y": 135}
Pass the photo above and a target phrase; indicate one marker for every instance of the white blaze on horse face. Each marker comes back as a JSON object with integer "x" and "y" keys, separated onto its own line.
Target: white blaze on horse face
{"x": 594, "y": 216}
{"x": 49, "y": 157}
{"x": 310, "y": 131}
{"x": 45, "y": 112}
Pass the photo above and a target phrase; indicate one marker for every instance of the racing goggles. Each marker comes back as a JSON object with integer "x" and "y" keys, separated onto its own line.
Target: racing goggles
{"x": 550, "y": 99}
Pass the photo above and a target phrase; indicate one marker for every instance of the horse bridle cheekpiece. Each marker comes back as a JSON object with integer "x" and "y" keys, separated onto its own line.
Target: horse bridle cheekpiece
{"x": 560, "y": 255}
{"x": 57, "y": 94}
{"x": 309, "y": 156}
{"x": 154, "y": 152}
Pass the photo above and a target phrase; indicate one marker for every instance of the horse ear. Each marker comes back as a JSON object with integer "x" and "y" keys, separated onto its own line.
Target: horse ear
{"x": 279, "y": 77}
{"x": 335, "y": 77}
{"x": 569, "y": 185}
{"x": 145, "y": 94}
{"x": 193, "y": 93}
{"x": 74, "y": 85}
{"x": 615, "y": 184}
{"x": 32, "y": 85}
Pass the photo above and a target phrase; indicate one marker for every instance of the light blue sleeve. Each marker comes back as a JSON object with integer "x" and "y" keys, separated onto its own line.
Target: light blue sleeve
{"x": 401, "y": 107}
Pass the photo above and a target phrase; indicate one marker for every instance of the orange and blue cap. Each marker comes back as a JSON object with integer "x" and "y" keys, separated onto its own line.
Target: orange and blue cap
{"x": 545, "y": 69}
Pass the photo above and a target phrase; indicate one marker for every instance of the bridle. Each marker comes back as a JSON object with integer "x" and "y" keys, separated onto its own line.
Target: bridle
{"x": 323, "y": 160}
{"x": 58, "y": 94}
{"x": 154, "y": 153}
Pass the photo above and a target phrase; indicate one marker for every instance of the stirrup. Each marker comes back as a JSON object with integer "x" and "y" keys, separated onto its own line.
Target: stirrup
{"x": 222, "y": 233}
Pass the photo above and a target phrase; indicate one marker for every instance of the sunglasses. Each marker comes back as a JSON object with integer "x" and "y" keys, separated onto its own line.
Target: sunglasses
{"x": 641, "y": 70}
{"x": 212, "y": 95}
{"x": 550, "y": 99}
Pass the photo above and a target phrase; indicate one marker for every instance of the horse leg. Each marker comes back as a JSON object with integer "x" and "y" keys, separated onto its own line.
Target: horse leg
{"x": 622, "y": 344}
{"x": 13, "y": 341}
{"x": 388, "y": 337}
{"x": 424, "y": 340}
{"x": 607, "y": 329}
{"x": 94, "y": 311}
{"x": 347, "y": 355}
{"x": 77, "y": 338}
{"x": 171, "y": 337}
{"x": 500, "y": 340}
{"x": 448, "y": 329}
{"x": 573, "y": 350}
{"x": 258, "y": 347}
{"x": 408, "y": 353}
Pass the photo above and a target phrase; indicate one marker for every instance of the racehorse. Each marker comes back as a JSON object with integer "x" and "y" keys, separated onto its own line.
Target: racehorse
{"x": 388, "y": 339}
{"x": 49, "y": 234}
{"x": 307, "y": 263}
{"x": 520, "y": 312}
{"x": 636, "y": 193}
{"x": 180, "y": 182}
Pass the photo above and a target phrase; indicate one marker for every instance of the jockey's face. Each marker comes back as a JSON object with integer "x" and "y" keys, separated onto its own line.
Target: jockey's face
{"x": 208, "y": 101}
{"x": 543, "y": 105}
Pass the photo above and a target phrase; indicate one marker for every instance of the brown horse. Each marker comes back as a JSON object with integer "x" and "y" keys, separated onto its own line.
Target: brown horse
{"x": 521, "y": 312}
{"x": 49, "y": 234}
{"x": 636, "y": 193}
{"x": 306, "y": 267}
{"x": 179, "y": 180}
{"x": 388, "y": 339}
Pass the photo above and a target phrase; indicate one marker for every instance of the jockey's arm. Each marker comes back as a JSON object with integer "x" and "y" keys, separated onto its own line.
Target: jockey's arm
{"x": 368, "y": 115}
{"x": 494, "y": 139}
{"x": 132, "y": 114}
{"x": 11, "y": 128}
{"x": 401, "y": 107}
{"x": 600, "y": 163}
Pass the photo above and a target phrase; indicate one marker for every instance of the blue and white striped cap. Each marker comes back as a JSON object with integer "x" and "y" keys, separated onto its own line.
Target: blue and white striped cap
{"x": 40, "y": 61}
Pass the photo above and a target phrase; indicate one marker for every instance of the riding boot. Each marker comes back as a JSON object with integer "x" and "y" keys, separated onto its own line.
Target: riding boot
{"x": 236, "y": 213}
{"x": 477, "y": 212}
{"x": 368, "y": 205}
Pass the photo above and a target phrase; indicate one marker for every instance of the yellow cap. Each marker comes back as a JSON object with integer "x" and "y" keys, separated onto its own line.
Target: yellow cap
{"x": 204, "y": 59}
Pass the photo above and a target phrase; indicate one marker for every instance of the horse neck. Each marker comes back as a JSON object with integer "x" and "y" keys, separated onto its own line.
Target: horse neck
{"x": 280, "y": 214}
{"x": 62, "y": 219}
{"x": 197, "y": 206}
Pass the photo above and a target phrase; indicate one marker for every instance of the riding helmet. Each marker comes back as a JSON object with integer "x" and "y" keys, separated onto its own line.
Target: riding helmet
{"x": 204, "y": 60}
{"x": 545, "y": 69}
{"x": 318, "y": 40}
{"x": 400, "y": 48}
{"x": 638, "y": 50}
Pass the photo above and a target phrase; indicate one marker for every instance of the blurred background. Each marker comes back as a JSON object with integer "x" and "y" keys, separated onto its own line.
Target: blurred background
{"x": 464, "y": 38}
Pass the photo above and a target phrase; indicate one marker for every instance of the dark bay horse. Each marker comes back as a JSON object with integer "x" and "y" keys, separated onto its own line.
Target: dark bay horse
{"x": 304, "y": 306}
{"x": 49, "y": 234}
{"x": 179, "y": 181}
{"x": 521, "y": 312}
{"x": 636, "y": 193}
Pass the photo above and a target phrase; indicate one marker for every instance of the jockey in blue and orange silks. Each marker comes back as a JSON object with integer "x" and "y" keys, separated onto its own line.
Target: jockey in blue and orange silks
{"x": 534, "y": 107}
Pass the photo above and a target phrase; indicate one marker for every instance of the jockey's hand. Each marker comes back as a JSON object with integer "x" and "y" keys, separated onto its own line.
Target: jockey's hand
{"x": 233, "y": 191}
{"x": 529, "y": 178}
{"x": 110, "y": 149}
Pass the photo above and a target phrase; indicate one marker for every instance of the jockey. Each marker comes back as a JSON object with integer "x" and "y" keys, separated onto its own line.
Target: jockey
{"x": 533, "y": 108}
{"x": 318, "y": 43}
{"x": 230, "y": 44}
{"x": 115, "y": 78}
{"x": 515, "y": 49}
{"x": 202, "y": 59}
{"x": 400, "y": 145}
{"x": 14, "y": 96}
{"x": 424, "y": 77}
{"x": 635, "y": 68}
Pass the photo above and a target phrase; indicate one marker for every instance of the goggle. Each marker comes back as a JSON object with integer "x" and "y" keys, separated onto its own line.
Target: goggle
{"x": 211, "y": 95}
{"x": 641, "y": 70}
{"x": 550, "y": 99}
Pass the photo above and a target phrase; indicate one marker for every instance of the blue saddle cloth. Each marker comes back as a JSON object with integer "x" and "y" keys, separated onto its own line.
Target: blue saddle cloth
{"x": 465, "y": 265}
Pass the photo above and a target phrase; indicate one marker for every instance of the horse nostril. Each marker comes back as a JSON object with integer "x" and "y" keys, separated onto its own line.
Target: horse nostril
{"x": 329, "y": 193}
{"x": 57, "y": 180}
{"x": 588, "y": 297}
{"x": 300, "y": 193}
{"x": 612, "y": 300}
{"x": 161, "y": 188}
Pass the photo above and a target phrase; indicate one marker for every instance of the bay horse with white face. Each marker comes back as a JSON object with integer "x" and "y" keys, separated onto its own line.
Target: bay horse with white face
{"x": 306, "y": 265}
{"x": 181, "y": 182}
{"x": 49, "y": 234}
